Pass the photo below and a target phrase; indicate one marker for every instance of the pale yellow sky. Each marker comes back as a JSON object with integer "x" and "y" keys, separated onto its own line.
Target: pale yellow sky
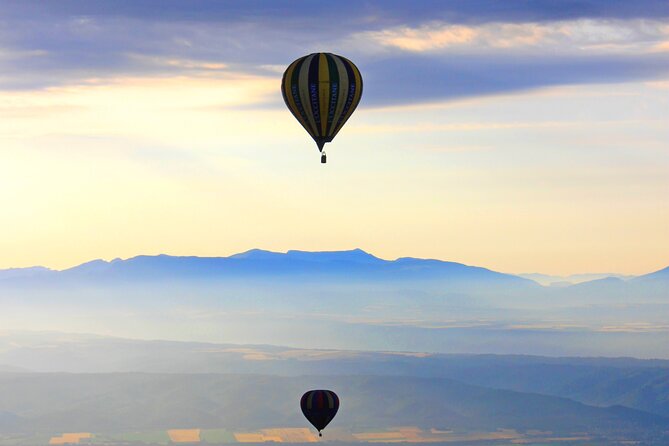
{"x": 560, "y": 180}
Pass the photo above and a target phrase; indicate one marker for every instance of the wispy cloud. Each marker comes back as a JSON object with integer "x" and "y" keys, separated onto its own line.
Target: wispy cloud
{"x": 583, "y": 35}
{"x": 635, "y": 327}
{"x": 181, "y": 64}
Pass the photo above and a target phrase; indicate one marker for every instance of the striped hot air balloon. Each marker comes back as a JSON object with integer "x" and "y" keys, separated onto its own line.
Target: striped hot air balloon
{"x": 319, "y": 407}
{"x": 322, "y": 90}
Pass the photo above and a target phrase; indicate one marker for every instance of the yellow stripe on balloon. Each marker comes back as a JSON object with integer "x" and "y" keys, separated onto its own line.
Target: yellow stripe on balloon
{"x": 323, "y": 90}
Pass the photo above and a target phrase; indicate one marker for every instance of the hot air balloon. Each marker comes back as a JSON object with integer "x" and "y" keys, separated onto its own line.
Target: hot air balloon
{"x": 322, "y": 90}
{"x": 319, "y": 407}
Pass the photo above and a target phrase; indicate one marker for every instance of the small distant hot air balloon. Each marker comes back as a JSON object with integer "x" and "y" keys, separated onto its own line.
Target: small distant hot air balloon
{"x": 319, "y": 407}
{"x": 322, "y": 90}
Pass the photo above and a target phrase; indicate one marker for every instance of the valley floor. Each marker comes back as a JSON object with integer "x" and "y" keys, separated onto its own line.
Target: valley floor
{"x": 292, "y": 435}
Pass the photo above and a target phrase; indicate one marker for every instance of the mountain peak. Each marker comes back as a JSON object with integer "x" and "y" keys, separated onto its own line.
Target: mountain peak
{"x": 354, "y": 255}
{"x": 256, "y": 254}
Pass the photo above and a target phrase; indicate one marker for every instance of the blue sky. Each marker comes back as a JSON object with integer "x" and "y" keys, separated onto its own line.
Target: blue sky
{"x": 521, "y": 136}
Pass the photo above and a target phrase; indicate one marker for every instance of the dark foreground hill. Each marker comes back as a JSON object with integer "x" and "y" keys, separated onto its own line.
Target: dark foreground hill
{"x": 124, "y": 402}
{"x": 634, "y": 383}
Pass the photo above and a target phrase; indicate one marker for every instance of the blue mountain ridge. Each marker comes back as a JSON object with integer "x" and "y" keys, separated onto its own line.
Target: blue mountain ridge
{"x": 355, "y": 264}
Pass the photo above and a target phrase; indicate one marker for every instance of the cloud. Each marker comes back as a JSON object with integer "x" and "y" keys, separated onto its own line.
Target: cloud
{"x": 180, "y": 64}
{"x": 409, "y": 53}
{"x": 560, "y": 36}
{"x": 635, "y": 327}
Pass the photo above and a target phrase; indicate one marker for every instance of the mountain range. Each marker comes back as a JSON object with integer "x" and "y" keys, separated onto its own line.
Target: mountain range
{"x": 342, "y": 299}
{"x": 354, "y": 265}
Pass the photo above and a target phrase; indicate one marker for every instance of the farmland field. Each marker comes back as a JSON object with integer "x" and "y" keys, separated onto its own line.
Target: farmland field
{"x": 293, "y": 435}
{"x": 70, "y": 438}
{"x": 147, "y": 437}
{"x": 184, "y": 435}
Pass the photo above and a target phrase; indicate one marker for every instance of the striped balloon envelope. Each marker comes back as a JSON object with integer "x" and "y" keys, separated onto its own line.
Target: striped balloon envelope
{"x": 319, "y": 407}
{"x": 322, "y": 90}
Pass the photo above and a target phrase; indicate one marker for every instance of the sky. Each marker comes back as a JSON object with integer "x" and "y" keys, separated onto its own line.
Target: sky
{"x": 519, "y": 136}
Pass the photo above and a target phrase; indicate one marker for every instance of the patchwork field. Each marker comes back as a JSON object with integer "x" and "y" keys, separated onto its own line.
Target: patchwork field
{"x": 413, "y": 434}
{"x": 70, "y": 438}
{"x": 142, "y": 437}
{"x": 400, "y": 434}
{"x": 184, "y": 435}
{"x": 281, "y": 435}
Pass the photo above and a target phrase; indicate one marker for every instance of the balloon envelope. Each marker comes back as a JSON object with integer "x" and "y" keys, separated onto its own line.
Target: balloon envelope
{"x": 319, "y": 407}
{"x": 322, "y": 90}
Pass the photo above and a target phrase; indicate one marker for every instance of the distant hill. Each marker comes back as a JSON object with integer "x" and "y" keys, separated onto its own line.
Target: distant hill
{"x": 661, "y": 275}
{"x": 608, "y": 284}
{"x": 552, "y": 280}
{"x": 653, "y": 285}
{"x": 30, "y": 272}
